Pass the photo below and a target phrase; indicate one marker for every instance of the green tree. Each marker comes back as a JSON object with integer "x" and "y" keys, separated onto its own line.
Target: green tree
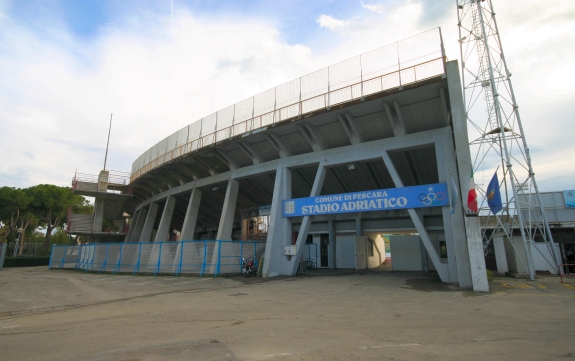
{"x": 28, "y": 223}
{"x": 51, "y": 204}
{"x": 13, "y": 202}
{"x": 59, "y": 237}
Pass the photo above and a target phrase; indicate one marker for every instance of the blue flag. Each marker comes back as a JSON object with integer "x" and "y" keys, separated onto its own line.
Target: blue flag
{"x": 493, "y": 195}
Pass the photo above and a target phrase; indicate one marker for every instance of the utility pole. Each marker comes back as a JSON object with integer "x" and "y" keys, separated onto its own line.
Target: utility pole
{"x": 496, "y": 135}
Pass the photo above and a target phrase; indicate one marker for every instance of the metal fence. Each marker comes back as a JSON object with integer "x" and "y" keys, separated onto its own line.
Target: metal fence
{"x": 407, "y": 61}
{"x": 187, "y": 257}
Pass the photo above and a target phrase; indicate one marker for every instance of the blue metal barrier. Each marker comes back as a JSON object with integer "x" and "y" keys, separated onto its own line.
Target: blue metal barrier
{"x": 185, "y": 257}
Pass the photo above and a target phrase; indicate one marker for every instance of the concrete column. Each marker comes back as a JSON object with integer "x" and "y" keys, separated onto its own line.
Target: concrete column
{"x": 280, "y": 228}
{"x": 418, "y": 222}
{"x": 226, "y": 220}
{"x": 98, "y": 214}
{"x": 163, "y": 233}
{"x": 358, "y": 224}
{"x": 189, "y": 226}
{"x": 500, "y": 255}
{"x": 464, "y": 165}
{"x": 228, "y": 211}
{"x": 331, "y": 229}
{"x": 146, "y": 234}
{"x": 424, "y": 264}
{"x": 188, "y": 229}
{"x": 306, "y": 222}
{"x": 453, "y": 224}
{"x": 476, "y": 256}
{"x": 459, "y": 119}
{"x": 136, "y": 227}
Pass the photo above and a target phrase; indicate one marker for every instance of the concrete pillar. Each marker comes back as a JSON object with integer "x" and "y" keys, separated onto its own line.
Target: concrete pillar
{"x": 280, "y": 228}
{"x": 226, "y": 220}
{"x": 98, "y": 214}
{"x": 418, "y": 222}
{"x": 306, "y": 222}
{"x": 228, "y": 211}
{"x": 149, "y": 223}
{"x": 500, "y": 255}
{"x": 453, "y": 224}
{"x": 476, "y": 256}
{"x": 138, "y": 225}
{"x": 464, "y": 165}
{"x": 189, "y": 226}
{"x": 358, "y": 224}
{"x": 332, "y": 246}
{"x": 163, "y": 232}
{"x": 424, "y": 264}
{"x": 188, "y": 229}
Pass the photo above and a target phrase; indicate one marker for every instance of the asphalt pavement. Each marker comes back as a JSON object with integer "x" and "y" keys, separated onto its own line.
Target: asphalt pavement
{"x": 342, "y": 315}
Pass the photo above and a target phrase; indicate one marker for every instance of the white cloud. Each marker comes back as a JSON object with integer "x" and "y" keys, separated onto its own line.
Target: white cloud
{"x": 331, "y": 23}
{"x": 376, "y": 8}
{"x": 57, "y": 94}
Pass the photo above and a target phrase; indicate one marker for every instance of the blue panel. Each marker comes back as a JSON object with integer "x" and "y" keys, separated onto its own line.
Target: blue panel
{"x": 424, "y": 196}
{"x": 569, "y": 198}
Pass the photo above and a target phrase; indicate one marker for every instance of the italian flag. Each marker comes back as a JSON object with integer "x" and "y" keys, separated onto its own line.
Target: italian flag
{"x": 472, "y": 195}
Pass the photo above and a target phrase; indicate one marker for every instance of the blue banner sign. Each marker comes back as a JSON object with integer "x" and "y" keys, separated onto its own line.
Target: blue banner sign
{"x": 569, "y": 199}
{"x": 430, "y": 195}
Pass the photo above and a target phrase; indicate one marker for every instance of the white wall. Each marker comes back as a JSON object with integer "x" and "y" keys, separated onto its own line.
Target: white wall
{"x": 542, "y": 258}
{"x": 376, "y": 260}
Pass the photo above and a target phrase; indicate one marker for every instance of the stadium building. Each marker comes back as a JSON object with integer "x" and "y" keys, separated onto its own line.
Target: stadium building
{"x": 323, "y": 168}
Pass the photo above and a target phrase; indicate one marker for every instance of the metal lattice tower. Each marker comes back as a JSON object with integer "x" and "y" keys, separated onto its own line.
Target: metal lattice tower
{"x": 496, "y": 135}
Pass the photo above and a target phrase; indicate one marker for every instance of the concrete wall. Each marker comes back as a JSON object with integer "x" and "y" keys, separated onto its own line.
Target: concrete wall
{"x": 516, "y": 259}
{"x": 376, "y": 260}
{"x": 554, "y": 204}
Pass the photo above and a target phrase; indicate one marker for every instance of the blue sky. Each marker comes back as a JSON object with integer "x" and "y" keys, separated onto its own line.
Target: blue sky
{"x": 66, "y": 65}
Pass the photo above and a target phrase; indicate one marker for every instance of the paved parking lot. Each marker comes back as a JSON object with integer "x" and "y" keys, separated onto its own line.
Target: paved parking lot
{"x": 372, "y": 315}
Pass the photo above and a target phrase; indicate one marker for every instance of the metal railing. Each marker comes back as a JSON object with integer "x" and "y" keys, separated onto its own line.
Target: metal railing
{"x": 407, "y": 61}
{"x": 114, "y": 177}
{"x": 187, "y": 257}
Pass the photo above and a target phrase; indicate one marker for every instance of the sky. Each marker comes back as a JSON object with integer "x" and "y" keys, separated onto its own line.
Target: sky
{"x": 66, "y": 65}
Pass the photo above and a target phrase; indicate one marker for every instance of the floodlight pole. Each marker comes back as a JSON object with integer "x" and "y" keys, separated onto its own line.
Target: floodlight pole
{"x": 500, "y": 134}
{"x": 108, "y": 143}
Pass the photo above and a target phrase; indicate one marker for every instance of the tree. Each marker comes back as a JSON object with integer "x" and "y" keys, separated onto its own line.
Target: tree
{"x": 59, "y": 237}
{"x": 51, "y": 204}
{"x": 13, "y": 202}
{"x": 27, "y": 219}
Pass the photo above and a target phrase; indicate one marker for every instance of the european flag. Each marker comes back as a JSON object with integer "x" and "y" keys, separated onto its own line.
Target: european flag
{"x": 493, "y": 195}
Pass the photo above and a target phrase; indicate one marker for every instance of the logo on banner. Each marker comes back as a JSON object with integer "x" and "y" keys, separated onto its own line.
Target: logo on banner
{"x": 432, "y": 198}
{"x": 289, "y": 207}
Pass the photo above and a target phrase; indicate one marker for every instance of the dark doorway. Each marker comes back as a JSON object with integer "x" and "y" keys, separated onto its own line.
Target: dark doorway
{"x": 324, "y": 241}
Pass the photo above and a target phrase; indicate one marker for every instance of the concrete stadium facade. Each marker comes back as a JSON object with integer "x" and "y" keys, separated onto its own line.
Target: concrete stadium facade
{"x": 352, "y": 137}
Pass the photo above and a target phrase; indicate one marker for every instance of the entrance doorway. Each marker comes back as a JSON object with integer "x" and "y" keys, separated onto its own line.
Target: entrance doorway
{"x": 323, "y": 250}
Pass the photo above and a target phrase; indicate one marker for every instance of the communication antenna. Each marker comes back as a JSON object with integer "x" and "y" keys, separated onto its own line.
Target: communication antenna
{"x": 108, "y": 143}
{"x": 496, "y": 136}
